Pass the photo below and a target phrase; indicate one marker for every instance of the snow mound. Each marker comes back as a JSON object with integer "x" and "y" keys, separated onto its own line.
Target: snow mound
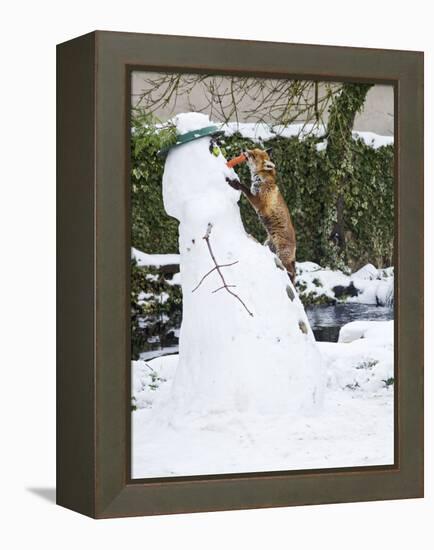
{"x": 374, "y": 330}
{"x": 151, "y": 380}
{"x": 362, "y": 360}
{"x": 307, "y": 267}
{"x": 366, "y": 272}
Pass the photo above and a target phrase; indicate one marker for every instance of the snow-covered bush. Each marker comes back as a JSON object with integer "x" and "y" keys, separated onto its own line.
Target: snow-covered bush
{"x": 317, "y": 285}
{"x": 156, "y": 308}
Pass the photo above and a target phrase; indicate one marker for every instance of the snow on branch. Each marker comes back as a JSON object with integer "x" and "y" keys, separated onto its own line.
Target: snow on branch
{"x": 217, "y": 267}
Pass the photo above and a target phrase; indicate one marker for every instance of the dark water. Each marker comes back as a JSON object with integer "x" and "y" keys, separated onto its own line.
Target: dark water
{"x": 326, "y": 321}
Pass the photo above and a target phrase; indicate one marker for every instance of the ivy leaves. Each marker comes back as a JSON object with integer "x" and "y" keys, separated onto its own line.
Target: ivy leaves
{"x": 305, "y": 182}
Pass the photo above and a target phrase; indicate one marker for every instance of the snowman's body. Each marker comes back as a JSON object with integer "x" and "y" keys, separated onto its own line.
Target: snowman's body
{"x": 229, "y": 360}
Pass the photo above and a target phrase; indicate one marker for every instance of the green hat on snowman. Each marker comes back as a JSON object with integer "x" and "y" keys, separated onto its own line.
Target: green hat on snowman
{"x": 189, "y": 127}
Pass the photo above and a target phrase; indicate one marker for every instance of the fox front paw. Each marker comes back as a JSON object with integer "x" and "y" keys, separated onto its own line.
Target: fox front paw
{"x": 255, "y": 185}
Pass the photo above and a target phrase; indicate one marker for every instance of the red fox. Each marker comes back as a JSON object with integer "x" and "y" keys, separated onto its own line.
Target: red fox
{"x": 266, "y": 199}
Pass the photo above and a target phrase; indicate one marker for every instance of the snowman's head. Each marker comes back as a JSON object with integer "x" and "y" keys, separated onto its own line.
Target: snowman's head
{"x": 194, "y": 176}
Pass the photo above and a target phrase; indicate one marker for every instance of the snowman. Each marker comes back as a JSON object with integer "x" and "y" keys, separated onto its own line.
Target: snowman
{"x": 245, "y": 343}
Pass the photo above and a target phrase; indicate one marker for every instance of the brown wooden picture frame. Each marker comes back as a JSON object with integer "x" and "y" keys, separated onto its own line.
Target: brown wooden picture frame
{"x": 93, "y": 365}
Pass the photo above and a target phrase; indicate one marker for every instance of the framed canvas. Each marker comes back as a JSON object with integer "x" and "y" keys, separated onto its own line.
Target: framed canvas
{"x": 240, "y": 274}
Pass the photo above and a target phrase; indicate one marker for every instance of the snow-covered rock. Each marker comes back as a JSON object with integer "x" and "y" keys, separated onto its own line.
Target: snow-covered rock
{"x": 374, "y": 330}
{"x": 307, "y": 267}
{"x": 267, "y": 362}
{"x": 368, "y": 271}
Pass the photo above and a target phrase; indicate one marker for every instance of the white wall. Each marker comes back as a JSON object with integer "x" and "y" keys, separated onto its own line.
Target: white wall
{"x": 29, "y": 33}
{"x": 376, "y": 116}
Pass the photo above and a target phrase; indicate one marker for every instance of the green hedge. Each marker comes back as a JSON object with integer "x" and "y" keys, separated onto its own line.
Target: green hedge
{"x": 303, "y": 180}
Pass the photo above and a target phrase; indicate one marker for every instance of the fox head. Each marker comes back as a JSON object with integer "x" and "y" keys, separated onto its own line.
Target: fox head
{"x": 259, "y": 161}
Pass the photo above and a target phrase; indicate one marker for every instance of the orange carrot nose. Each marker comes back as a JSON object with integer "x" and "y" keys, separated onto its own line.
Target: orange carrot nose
{"x": 236, "y": 160}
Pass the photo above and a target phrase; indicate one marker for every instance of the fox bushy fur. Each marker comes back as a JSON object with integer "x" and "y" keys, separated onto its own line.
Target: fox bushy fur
{"x": 265, "y": 197}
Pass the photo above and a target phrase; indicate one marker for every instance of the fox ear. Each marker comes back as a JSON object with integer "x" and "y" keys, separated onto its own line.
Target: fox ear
{"x": 269, "y": 151}
{"x": 268, "y": 165}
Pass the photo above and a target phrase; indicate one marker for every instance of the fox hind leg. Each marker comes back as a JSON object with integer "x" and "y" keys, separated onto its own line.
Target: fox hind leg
{"x": 288, "y": 260}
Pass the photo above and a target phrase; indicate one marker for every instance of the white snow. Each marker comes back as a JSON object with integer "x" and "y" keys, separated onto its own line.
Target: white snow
{"x": 368, "y": 271}
{"x": 354, "y": 428}
{"x": 373, "y": 140}
{"x": 155, "y": 260}
{"x": 149, "y": 380}
{"x": 175, "y": 280}
{"x": 373, "y": 330}
{"x": 260, "y": 132}
{"x": 264, "y": 132}
{"x": 374, "y": 286}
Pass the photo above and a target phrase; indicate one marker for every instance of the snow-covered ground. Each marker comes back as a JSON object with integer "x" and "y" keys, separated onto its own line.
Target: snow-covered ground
{"x": 354, "y": 428}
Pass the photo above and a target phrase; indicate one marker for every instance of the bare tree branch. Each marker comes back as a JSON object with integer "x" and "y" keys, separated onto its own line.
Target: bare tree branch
{"x": 274, "y": 102}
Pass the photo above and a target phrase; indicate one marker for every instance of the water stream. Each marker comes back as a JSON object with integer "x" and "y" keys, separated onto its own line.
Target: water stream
{"x": 325, "y": 321}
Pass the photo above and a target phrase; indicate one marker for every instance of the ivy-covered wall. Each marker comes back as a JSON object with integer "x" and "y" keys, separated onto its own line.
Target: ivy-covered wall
{"x": 303, "y": 180}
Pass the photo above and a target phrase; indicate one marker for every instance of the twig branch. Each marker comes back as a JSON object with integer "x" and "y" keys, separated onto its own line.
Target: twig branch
{"x": 221, "y": 287}
{"x": 210, "y": 271}
{"x": 217, "y": 267}
{"x": 149, "y": 366}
